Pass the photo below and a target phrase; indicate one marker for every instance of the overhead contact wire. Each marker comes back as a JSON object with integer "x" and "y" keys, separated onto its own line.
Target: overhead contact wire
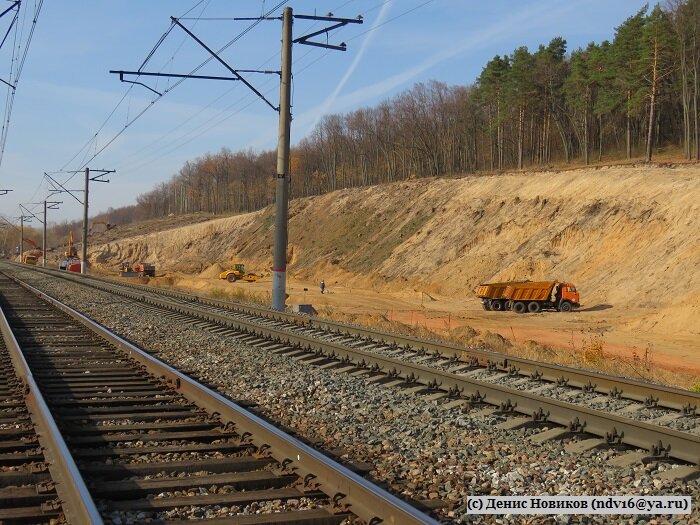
{"x": 197, "y": 131}
{"x": 18, "y": 72}
{"x": 104, "y": 123}
{"x": 176, "y": 84}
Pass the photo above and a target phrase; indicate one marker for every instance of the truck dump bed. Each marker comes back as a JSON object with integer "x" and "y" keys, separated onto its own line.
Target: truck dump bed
{"x": 532, "y": 291}
{"x": 491, "y": 290}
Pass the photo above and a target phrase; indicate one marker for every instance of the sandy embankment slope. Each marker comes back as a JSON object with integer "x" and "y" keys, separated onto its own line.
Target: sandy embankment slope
{"x": 626, "y": 236}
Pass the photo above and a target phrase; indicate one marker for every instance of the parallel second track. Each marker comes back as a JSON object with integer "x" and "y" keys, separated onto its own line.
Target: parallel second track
{"x": 325, "y": 345}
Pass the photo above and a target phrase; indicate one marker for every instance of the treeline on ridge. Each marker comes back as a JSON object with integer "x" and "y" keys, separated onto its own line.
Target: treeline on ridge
{"x": 624, "y": 98}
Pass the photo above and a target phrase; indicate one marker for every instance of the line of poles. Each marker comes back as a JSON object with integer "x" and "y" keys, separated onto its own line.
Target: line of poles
{"x": 279, "y": 266}
{"x": 95, "y": 176}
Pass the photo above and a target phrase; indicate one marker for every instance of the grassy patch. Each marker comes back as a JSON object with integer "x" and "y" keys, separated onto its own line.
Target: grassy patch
{"x": 385, "y": 241}
{"x": 241, "y": 295}
{"x": 414, "y": 224}
{"x": 593, "y": 353}
{"x": 266, "y": 222}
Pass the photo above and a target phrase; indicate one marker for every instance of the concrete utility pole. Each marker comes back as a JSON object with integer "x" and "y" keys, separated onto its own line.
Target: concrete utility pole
{"x": 21, "y": 238}
{"x": 279, "y": 257}
{"x": 83, "y": 259}
{"x": 96, "y": 177}
{"x": 48, "y": 205}
{"x": 43, "y": 245}
{"x": 279, "y": 260}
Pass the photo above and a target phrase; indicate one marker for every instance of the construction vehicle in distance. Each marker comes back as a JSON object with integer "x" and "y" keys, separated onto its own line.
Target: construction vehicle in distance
{"x": 71, "y": 251}
{"x": 33, "y": 256}
{"x": 137, "y": 270}
{"x": 238, "y": 273}
{"x": 528, "y": 296}
{"x": 100, "y": 226}
{"x": 72, "y": 262}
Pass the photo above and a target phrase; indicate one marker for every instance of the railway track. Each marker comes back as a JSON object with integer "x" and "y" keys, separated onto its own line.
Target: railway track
{"x": 23, "y": 475}
{"x": 27, "y": 491}
{"x": 39, "y": 482}
{"x": 466, "y": 376}
{"x": 152, "y": 444}
{"x": 428, "y": 352}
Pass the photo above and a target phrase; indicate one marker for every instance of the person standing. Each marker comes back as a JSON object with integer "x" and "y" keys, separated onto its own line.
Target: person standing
{"x": 323, "y": 286}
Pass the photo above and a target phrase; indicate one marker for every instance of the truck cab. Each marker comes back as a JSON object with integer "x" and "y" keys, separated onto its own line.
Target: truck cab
{"x": 570, "y": 294}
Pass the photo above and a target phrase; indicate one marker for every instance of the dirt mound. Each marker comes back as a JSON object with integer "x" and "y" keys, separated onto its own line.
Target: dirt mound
{"x": 464, "y": 334}
{"x": 495, "y": 342}
{"x": 212, "y": 272}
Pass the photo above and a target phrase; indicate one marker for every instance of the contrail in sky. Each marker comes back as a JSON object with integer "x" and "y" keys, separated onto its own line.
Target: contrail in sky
{"x": 543, "y": 14}
{"x": 540, "y": 17}
{"x": 360, "y": 54}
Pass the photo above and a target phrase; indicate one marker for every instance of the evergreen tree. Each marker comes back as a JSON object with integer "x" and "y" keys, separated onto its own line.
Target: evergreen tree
{"x": 578, "y": 90}
{"x": 602, "y": 77}
{"x": 656, "y": 65}
{"x": 625, "y": 57}
{"x": 520, "y": 89}
{"x": 550, "y": 71}
{"x": 491, "y": 90}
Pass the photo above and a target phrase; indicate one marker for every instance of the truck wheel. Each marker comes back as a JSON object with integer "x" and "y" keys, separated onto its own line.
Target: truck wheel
{"x": 231, "y": 278}
{"x": 533, "y": 307}
{"x": 519, "y": 307}
{"x": 565, "y": 306}
{"x": 486, "y": 306}
{"x": 497, "y": 306}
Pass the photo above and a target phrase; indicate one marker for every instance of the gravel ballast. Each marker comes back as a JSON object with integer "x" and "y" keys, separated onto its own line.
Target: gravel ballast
{"x": 419, "y": 448}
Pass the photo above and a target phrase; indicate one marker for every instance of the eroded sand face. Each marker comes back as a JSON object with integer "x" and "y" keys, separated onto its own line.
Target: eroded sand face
{"x": 627, "y": 237}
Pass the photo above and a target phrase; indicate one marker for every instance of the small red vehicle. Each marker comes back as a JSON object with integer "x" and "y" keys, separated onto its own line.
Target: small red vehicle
{"x": 70, "y": 264}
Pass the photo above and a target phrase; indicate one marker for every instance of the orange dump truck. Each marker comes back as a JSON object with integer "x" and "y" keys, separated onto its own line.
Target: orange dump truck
{"x": 528, "y": 296}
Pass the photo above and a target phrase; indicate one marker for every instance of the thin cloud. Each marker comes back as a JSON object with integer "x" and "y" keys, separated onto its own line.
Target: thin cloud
{"x": 330, "y": 100}
{"x": 543, "y": 14}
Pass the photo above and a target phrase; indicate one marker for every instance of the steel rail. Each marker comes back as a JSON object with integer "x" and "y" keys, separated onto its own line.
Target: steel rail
{"x": 362, "y": 497}
{"x": 577, "y": 418}
{"x": 650, "y": 394}
{"x": 660, "y": 441}
{"x": 70, "y": 486}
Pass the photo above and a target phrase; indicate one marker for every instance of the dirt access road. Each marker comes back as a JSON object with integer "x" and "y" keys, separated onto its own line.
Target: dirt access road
{"x": 572, "y": 332}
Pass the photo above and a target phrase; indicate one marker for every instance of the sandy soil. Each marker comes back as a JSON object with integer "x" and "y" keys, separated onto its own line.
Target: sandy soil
{"x": 414, "y": 251}
{"x": 442, "y": 314}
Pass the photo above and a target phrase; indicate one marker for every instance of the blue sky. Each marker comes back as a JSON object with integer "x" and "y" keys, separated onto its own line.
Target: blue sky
{"x": 66, "y": 94}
